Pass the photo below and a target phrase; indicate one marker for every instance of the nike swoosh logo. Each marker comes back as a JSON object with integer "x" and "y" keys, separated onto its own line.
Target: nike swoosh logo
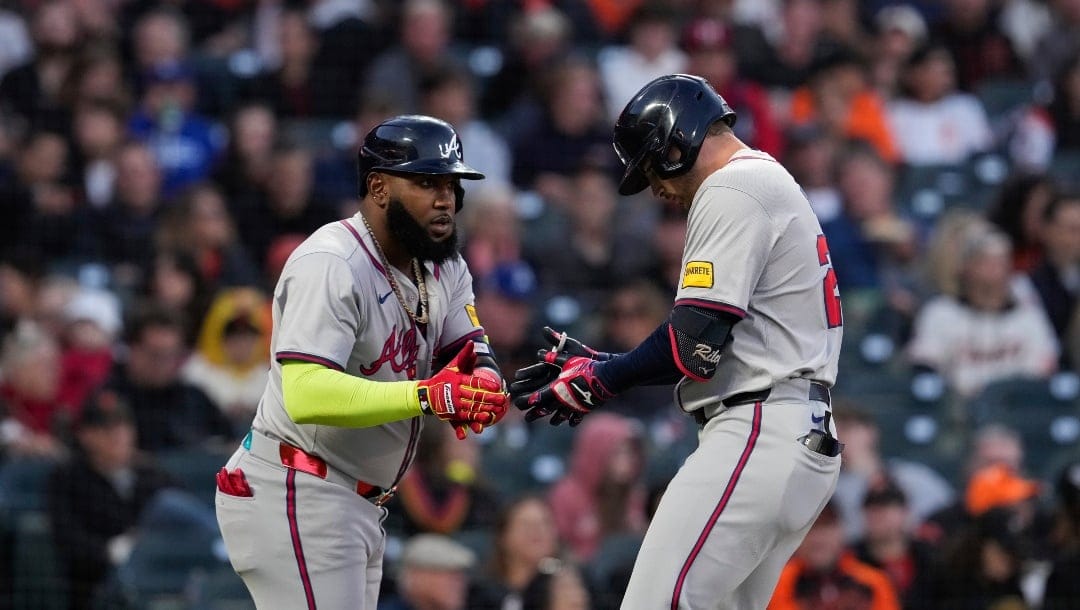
{"x": 383, "y": 298}
{"x": 817, "y": 420}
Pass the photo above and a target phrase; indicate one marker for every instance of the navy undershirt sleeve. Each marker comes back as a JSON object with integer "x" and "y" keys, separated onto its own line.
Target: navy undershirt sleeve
{"x": 650, "y": 363}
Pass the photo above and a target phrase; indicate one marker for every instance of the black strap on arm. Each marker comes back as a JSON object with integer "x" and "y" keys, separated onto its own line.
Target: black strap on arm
{"x": 698, "y": 337}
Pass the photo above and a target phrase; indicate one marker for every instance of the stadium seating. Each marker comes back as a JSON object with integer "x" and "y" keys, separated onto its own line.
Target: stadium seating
{"x": 194, "y": 469}
{"x": 605, "y": 573}
{"x": 1045, "y": 414}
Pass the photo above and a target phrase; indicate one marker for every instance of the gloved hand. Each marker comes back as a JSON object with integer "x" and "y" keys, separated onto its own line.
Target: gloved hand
{"x": 573, "y": 393}
{"x": 465, "y": 396}
{"x": 531, "y": 378}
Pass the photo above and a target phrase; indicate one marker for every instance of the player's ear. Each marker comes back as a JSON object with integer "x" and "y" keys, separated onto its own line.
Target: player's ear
{"x": 378, "y": 188}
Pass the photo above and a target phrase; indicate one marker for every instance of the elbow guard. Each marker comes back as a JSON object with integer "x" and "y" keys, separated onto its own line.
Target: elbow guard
{"x": 698, "y": 336}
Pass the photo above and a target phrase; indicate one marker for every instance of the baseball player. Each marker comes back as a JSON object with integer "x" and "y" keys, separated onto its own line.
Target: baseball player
{"x": 365, "y": 310}
{"x": 752, "y": 342}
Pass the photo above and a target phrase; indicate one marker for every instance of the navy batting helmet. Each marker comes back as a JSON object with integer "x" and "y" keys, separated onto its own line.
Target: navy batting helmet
{"x": 671, "y": 112}
{"x": 413, "y": 144}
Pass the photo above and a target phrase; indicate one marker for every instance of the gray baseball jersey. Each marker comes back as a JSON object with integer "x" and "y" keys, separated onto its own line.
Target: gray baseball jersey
{"x": 743, "y": 501}
{"x": 755, "y": 249}
{"x": 313, "y": 538}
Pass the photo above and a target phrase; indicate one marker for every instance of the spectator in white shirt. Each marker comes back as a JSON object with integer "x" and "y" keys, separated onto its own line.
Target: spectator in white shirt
{"x": 933, "y": 122}
{"x": 986, "y": 334}
{"x": 652, "y": 52}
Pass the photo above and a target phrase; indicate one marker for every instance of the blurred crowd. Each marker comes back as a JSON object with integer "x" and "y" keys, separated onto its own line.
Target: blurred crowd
{"x": 160, "y": 160}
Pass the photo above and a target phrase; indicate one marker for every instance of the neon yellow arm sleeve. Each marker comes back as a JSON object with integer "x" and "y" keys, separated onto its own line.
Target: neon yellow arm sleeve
{"x": 315, "y": 394}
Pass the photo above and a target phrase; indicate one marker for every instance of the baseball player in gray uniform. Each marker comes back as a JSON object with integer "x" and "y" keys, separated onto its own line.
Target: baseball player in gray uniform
{"x": 365, "y": 311}
{"x": 752, "y": 344}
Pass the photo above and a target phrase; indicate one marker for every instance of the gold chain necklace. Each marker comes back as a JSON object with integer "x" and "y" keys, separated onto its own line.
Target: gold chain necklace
{"x": 421, "y": 286}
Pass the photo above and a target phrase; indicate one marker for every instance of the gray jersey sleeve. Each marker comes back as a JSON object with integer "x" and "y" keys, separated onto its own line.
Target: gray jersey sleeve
{"x": 728, "y": 239}
{"x": 320, "y": 312}
{"x": 462, "y": 322}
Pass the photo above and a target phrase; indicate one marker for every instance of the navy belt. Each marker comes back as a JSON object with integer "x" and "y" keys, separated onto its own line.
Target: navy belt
{"x": 818, "y": 392}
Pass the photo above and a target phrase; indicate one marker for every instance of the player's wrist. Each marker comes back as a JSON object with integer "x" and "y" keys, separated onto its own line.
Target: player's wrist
{"x": 413, "y": 390}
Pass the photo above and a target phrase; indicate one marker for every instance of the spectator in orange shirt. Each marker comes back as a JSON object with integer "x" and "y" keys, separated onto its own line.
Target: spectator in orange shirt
{"x": 825, "y": 575}
{"x": 838, "y": 96}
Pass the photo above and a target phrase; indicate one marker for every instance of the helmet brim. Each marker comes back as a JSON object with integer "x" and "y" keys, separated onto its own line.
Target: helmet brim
{"x": 429, "y": 167}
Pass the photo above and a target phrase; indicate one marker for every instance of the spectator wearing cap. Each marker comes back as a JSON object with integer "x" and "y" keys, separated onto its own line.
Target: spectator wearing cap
{"x": 651, "y": 53}
{"x": 93, "y": 325}
{"x": 1063, "y": 587}
{"x": 889, "y": 546}
{"x": 95, "y": 499}
{"x": 185, "y": 144}
{"x": 824, "y": 574}
{"x": 229, "y": 362}
{"x": 709, "y": 43}
{"x": 998, "y": 486}
{"x": 900, "y": 29}
{"x": 432, "y": 574}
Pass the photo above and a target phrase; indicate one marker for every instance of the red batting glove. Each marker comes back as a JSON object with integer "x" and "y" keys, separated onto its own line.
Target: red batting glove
{"x": 463, "y": 395}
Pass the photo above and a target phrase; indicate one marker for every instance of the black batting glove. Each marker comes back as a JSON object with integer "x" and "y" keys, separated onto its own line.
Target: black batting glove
{"x": 531, "y": 378}
{"x": 572, "y": 395}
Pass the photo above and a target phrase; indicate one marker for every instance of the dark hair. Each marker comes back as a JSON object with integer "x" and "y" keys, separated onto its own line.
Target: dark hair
{"x": 1007, "y": 209}
{"x": 448, "y": 74}
{"x": 497, "y": 564}
{"x": 151, "y": 315}
{"x": 1061, "y": 200}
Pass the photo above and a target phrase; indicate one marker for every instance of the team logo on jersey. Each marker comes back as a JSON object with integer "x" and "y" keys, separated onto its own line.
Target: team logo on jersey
{"x": 471, "y": 312}
{"x": 698, "y": 274}
{"x": 399, "y": 351}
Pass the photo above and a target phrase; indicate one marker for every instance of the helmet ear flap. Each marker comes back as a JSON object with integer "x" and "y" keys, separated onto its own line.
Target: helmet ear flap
{"x": 459, "y": 196}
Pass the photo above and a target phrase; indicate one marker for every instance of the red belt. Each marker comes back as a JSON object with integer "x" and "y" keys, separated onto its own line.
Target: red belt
{"x": 297, "y": 459}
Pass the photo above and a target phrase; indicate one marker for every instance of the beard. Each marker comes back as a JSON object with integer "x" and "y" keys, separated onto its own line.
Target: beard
{"x": 414, "y": 237}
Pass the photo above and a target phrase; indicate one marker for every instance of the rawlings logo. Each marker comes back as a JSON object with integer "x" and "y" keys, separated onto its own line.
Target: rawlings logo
{"x": 707, "y": 353}
{"x": 400, "y": 351}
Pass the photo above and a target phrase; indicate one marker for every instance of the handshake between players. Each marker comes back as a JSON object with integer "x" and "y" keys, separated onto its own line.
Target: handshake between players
{"x": 469, "y": 393}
